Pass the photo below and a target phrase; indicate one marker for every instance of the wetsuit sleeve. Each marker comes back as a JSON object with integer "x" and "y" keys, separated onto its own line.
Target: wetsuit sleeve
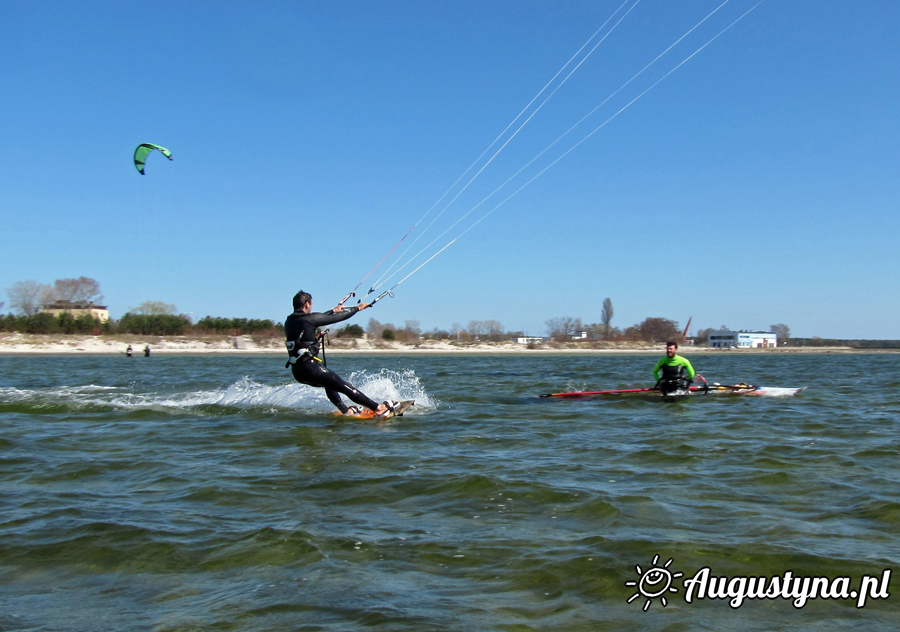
{"x": 319, "y": 319}
{"x": 687, "y": 365}
{"x": 656, "y": 368}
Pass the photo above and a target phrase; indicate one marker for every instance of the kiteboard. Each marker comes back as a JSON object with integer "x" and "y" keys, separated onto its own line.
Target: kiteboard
{"x": 398, "y": 411}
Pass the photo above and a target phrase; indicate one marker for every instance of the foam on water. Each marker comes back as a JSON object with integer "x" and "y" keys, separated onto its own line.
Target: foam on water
{"x": 774, "y": 391}
{"x": 246, "y": 394}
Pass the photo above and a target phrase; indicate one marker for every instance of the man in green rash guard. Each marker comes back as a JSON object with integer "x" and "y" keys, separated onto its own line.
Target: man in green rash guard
{"x": 677, "y": 371}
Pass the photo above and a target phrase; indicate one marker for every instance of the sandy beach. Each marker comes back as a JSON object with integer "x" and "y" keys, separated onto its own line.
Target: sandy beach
{"x": 15, "y": 343}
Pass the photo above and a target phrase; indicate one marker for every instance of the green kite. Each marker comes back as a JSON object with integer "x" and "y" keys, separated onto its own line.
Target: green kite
{"x": 143, "y": 150}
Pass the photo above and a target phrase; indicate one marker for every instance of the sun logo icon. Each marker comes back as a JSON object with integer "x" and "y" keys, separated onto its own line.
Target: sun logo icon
{"x": 655, "y": 582}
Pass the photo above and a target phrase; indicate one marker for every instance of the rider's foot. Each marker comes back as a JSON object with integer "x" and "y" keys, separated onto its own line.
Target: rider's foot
{"x": 385, "y": 407}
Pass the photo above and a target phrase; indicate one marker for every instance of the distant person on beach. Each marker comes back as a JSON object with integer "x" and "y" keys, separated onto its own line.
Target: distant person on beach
{"x": 147, "y": 351}
{"x": 303, "y": 349}
{"x": 129, "y": 351}
{"x": 677, "y": 372}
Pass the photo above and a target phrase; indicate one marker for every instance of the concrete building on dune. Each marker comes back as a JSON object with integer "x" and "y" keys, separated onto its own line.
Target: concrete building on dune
{"x": 726, "y": 339}
{"x": 77, "y": 309}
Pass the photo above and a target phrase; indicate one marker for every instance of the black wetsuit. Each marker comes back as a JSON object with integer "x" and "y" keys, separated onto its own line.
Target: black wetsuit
{"x": 677, "y": 373}
{"x": 300, "y": 332}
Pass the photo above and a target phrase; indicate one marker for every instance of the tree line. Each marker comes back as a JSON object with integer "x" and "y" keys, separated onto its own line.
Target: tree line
{"x": 28, "y": 298}
{"x": 853, "y": 343}
{"x": 476, "y": 330}
{"x": 559, "y": 329}
{"x": 136, "y": 324}
{"x": 150, "y": 318}
{"x": 653, "y": 329}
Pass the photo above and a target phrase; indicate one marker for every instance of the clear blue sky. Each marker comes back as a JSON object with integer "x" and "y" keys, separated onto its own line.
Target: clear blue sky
{"x": 757, "y": 184}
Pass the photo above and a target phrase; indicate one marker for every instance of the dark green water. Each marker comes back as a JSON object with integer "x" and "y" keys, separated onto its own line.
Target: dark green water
{"x": 213, "y": 493}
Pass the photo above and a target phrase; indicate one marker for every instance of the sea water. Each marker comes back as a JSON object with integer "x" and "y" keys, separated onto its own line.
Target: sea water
{"x": 214, "y": 493}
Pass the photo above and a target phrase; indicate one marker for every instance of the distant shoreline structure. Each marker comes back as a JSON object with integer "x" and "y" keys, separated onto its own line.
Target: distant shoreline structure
{"x": 117, "y": 344}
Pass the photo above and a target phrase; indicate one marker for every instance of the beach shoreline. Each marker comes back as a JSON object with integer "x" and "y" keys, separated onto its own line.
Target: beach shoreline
{"x": 15, "y": 343}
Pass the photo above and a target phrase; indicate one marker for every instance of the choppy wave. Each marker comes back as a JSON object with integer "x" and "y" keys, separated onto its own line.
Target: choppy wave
{"x": 244, "y": 394}
{"x": 504, "y": 511}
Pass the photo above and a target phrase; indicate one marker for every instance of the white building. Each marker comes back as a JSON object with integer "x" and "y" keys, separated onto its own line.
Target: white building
{"x": 529, "y": 340}
{"x": 726, "y": 339}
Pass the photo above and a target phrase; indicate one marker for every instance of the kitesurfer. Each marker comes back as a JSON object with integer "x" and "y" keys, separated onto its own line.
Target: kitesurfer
{"x": 677, "y": 372}
{"x": 303, "y": 350}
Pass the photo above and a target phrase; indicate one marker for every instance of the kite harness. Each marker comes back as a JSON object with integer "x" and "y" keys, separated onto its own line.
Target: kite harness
{"x": 303, "y": 351}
